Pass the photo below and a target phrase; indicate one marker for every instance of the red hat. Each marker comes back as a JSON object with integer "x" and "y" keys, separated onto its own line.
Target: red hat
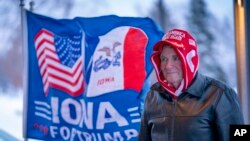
{"x": 186, "y": 48}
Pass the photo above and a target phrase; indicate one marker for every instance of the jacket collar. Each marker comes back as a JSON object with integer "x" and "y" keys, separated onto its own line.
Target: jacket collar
{"x": 197, "y": 86}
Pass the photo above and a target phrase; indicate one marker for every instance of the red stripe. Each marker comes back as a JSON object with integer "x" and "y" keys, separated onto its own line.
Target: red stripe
{"x": 59, "y": 78}
{"x": 43, "y": 31}
{"x": 56, "y": 76}
{"x": 63, "y": 70}
{"x": 134, "y": 59}
{"x": 42, "y": 42}
{"x": 47, "y": 55}
{"x": 46, "y": 58}
{"x": 76, "y": 93}
{"x": 66, "y": 73}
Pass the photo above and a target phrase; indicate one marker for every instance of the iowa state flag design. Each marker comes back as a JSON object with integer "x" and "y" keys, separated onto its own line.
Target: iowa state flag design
{"x": 85, "y": 76}
{"x": 119, "y": 61}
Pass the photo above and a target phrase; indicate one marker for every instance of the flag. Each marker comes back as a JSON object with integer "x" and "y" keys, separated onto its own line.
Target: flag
{"x": 85, "y": 76}
{"x": 60, "y": 62}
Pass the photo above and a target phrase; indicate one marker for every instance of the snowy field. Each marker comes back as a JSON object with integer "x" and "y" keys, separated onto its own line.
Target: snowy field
{"x": 11, "y": 107}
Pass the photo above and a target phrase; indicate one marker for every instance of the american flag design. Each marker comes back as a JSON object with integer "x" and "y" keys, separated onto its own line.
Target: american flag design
{"x": 60, "y": 61}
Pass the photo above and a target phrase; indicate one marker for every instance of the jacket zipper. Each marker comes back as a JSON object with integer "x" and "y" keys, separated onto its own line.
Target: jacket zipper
{"x": 173, "y": 120}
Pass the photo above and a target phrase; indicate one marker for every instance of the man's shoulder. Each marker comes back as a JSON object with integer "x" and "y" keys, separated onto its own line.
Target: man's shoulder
{"x": 218, "y": 83}
{"x": 155, "y": 86}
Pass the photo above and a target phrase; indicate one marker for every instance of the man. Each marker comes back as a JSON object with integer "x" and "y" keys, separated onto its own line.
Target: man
{"x": 185, "y": 105}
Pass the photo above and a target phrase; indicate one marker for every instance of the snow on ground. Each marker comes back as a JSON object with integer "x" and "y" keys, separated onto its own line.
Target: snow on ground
{"x": 11, "y": 107}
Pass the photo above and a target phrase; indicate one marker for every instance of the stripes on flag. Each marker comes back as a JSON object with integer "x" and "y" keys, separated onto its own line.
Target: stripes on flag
{"x": 54, "y": 73}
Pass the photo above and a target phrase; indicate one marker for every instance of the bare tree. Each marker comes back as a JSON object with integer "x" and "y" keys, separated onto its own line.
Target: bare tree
{"x": 11, "y": 57}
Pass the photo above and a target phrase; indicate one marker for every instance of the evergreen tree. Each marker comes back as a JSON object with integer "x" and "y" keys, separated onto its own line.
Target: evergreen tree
{"x": 200, "y": 23}
{"x": 160, "y": 14}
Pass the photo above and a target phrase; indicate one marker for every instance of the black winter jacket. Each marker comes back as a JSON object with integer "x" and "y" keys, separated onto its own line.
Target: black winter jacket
{"x": 203, "y": 112}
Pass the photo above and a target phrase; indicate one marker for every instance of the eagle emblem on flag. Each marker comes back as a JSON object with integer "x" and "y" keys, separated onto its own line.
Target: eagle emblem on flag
{"x": 60, "y": 62}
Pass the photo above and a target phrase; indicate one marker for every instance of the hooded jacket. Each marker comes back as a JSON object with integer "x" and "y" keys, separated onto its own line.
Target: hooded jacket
{"x": 186, "y": 49}
{"x": 202, "y": 111}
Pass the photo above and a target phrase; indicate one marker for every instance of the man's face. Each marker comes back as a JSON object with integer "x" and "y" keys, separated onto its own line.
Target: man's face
{"x": 171, "y": 66}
